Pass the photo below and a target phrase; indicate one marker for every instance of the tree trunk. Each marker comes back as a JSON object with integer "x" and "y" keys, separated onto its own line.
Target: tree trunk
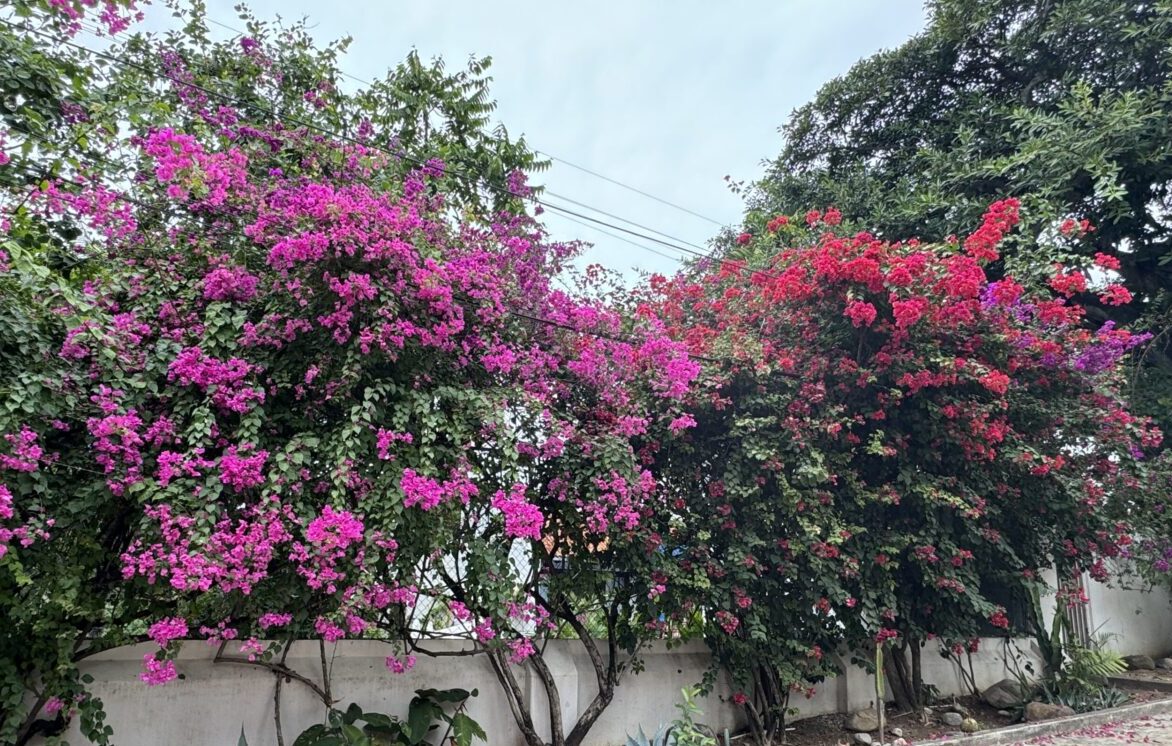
{"x": 896, "y": 682}
{"x": 880, "y": 697}
{"x": 917, "y": 673}
{"x": 586, "y": 719}
{"x": 515, "y": 698}
{"x": 552, "y": 696}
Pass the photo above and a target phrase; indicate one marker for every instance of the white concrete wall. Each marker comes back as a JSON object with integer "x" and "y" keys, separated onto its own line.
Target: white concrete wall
{"x": 855, "y": 689}
{"x": 213, "y": 700}
{"x": 210, "y": 704}
{"x": 1136, "y": 622}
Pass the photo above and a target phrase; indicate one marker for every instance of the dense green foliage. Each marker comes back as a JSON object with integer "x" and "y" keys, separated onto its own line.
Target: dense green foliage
{"x": 430, "y": 711}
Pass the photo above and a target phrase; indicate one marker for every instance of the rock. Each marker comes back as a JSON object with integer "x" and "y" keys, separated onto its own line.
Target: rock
{"x": 897, "y": 732}
{"x": 863, "y": 721}
{"x": 952, "y": 719}
{"x": 862, "y": 739}
{"x": 1004, "y": 713}
{"x": 899, "y": 742}
{"x": 968, "y": 725}
{"x": 1139, "y": 662}
{"x": 1005, "y": 694}
{"x": 1164, "y": 663}
{"x": 1036, "y": 711}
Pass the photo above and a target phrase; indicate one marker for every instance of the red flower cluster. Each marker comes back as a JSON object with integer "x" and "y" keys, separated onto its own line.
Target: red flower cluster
{"x": 1068, "y": 283}
{"x": 1000, "y": 218}
{"x": 777, "y": 223}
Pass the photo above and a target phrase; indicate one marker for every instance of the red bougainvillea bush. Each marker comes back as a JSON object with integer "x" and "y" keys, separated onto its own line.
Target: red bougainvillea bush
{"x": 890, "y": 441}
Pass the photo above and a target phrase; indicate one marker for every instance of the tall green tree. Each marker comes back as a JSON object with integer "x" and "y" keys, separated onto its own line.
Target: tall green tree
{"x": 1063, "y": 103}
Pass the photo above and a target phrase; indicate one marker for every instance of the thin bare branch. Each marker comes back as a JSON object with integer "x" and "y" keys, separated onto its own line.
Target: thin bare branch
{"x": 280, "y": 670}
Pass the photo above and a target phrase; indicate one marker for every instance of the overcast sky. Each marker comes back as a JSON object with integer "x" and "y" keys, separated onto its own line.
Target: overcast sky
{"x": 669, "y": 97}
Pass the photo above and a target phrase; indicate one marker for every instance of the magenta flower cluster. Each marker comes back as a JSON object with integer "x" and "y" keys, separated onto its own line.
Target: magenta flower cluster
{"x": 523, "y": 520}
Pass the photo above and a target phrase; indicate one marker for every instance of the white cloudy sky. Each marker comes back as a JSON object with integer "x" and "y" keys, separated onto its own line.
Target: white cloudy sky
{"x": 669, "y": 97}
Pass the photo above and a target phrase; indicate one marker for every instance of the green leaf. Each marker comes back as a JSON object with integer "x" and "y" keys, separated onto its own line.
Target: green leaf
{"x": 445, "y": 695}
{"x": 420, "y": 717}
{"x": 464, "y": 729}
{"x": 353, "y": 712}
{"x": 381, "y": 720}
{"x": 310, "y": 736}
{"x": 354, "y": 735}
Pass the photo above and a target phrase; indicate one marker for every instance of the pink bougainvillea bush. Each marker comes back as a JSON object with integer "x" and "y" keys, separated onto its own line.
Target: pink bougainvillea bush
{"x": 325, "y": 404}
{"x": 297, "y": 384}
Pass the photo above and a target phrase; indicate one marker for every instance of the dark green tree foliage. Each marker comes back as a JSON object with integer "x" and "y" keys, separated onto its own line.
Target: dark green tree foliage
{"x": 1062, "y": 103}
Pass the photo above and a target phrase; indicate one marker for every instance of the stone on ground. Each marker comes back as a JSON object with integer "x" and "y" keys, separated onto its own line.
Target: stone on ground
{"x": 1165, "y": 664}
{"x": 1005, "y": 694}
{"x": 1036, "y": 711}
{"x": 1139, "y": 662}
{"x": 863, "y": 721}
{"x": 862, "y": 739}
{"x": 953, "y": 719}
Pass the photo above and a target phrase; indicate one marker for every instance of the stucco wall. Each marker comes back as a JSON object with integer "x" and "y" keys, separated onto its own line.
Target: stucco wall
{"x": 210, "y": 704}
{"x": 1135, "y": 622}
{"x": 856, "y": 688}
{"x": 213, "y": 701}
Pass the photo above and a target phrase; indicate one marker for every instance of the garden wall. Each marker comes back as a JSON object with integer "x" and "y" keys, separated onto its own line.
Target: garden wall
{"x": 210, "y": 704}
{"x": 213, "y": 701}
{"x": 1135, "y": 622}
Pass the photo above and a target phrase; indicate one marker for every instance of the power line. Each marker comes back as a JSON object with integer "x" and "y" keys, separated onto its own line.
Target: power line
{"x": 628, "y": 231}
{"x": 625, "y": 220}
{"x": 628, "y": 187}
{"x": 617, "y": 237}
